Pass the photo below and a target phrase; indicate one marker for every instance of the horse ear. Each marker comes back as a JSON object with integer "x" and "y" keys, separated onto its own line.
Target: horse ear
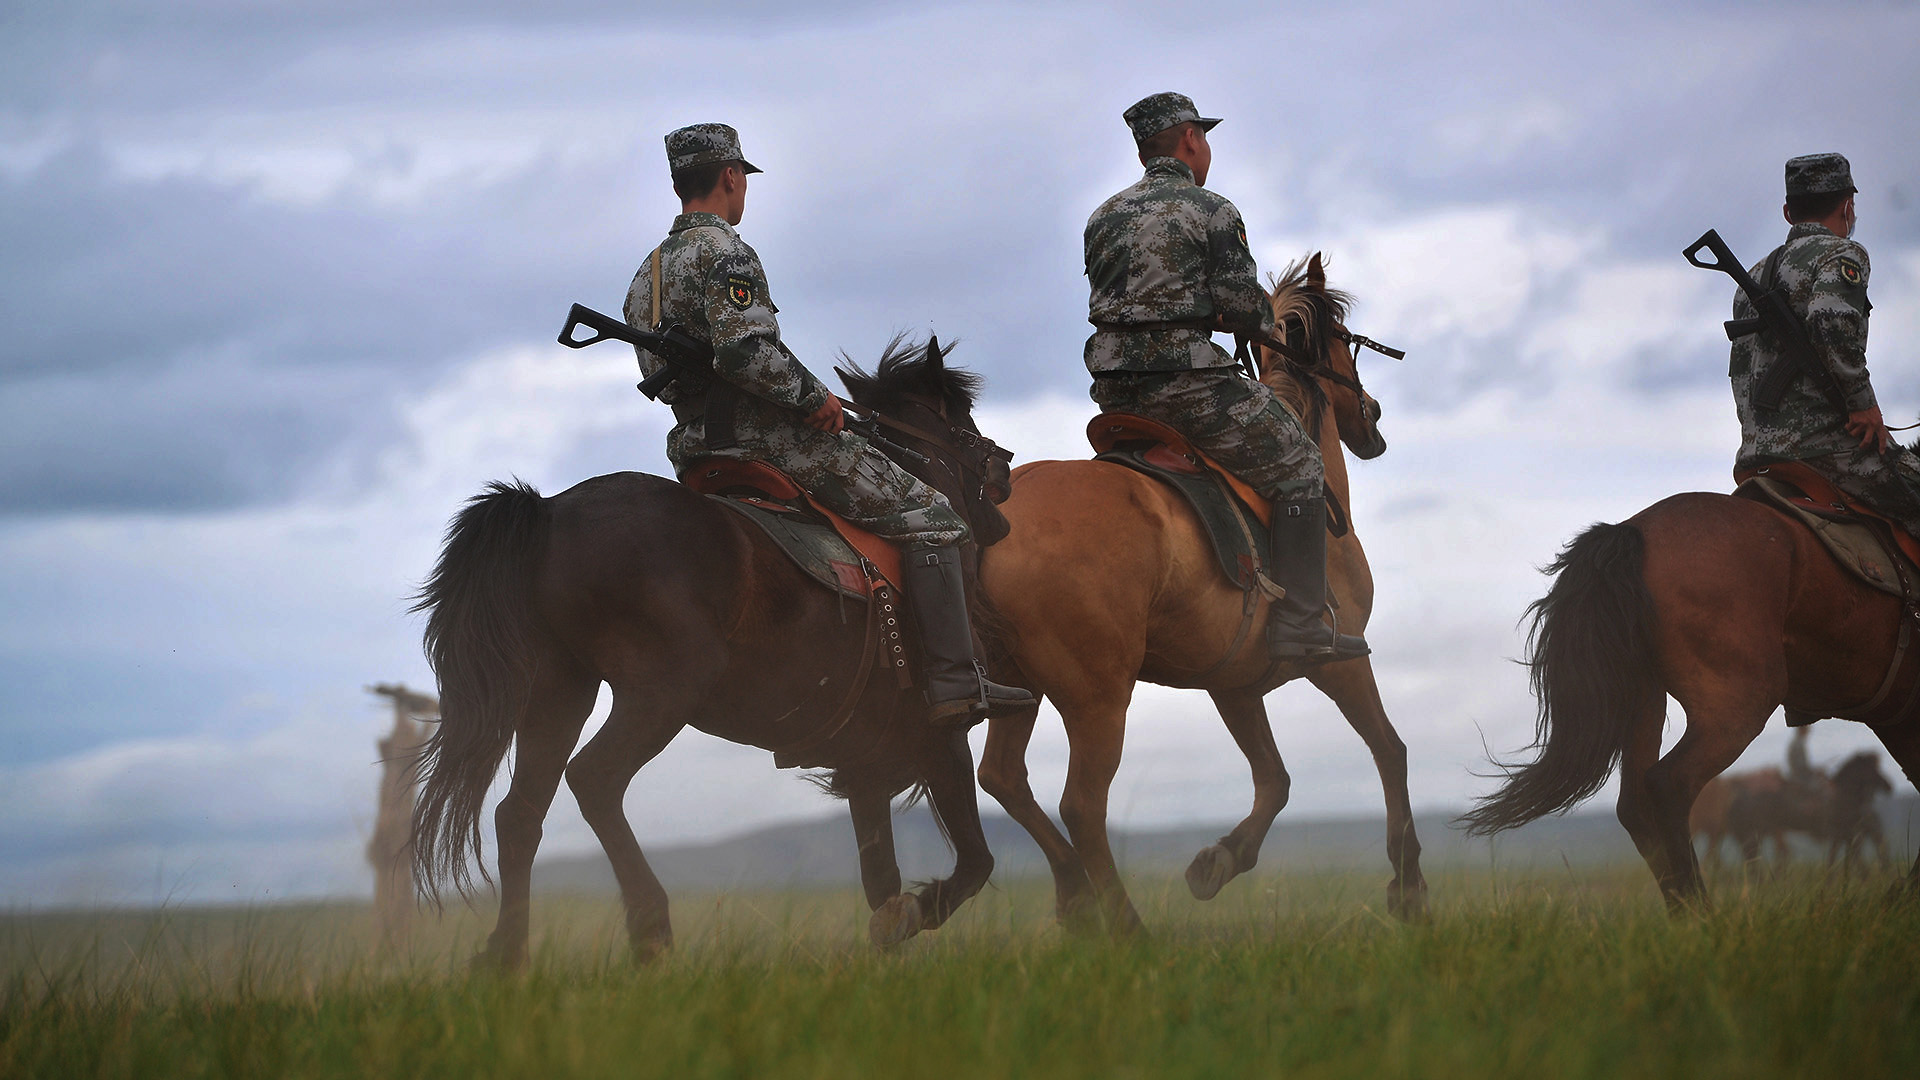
{"x": 936, "y": 360}
{"x": 1316, "y": 271}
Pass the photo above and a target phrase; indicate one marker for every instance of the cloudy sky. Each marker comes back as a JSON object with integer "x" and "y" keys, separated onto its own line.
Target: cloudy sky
{"x": 281, "y": 282}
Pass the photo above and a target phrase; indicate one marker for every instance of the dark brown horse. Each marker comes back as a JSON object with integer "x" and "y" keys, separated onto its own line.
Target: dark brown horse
{"x": 1108, "y": 578}
{"x": 694, "y": 618}
{"x": 1731, "y": 608}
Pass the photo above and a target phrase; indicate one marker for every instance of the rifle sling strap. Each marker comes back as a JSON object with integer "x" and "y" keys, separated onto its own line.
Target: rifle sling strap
{"x": 653, "y": 274}
{"x": 721, "y": 395}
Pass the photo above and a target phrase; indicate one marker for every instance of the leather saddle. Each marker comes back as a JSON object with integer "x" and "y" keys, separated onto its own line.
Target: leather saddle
{"x": 1234, "y": 516}
{"x": 1850, "y": 529}
{"x": 1164, "y": 448}
{"x": 1868, "y": 545}
{"x": 767, "y": 489}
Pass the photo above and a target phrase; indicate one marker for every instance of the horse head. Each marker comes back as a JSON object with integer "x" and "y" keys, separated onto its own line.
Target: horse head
{"x": 926, "y": 407}
{"x": 1860, "y": 775}
{"x": 1322, "y": 371}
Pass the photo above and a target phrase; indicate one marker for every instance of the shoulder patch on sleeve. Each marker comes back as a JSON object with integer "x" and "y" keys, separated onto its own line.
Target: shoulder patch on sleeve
{"x": 740, "y": 291}
{"x": 1849, "y": 270}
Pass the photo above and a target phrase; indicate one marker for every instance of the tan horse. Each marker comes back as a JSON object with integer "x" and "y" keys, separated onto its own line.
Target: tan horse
{"x": 1107, "y": 578}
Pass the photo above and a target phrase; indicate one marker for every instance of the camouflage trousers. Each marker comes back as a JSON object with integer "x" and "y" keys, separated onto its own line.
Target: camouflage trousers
{"x": 841, "y": 471}
{"x": 1889, "y": 483}
{"x": 1233, "y": 420}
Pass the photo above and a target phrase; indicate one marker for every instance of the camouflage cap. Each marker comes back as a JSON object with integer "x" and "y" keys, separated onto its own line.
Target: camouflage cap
{"x": 1155, "y": 113}
{"x": 704, "y": 144}
{"x": 1819, "y": 174}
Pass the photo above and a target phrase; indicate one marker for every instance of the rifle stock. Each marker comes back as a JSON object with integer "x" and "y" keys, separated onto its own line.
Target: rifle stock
{"x": 1775, "y": 316}
{"x": 678, "y": 352}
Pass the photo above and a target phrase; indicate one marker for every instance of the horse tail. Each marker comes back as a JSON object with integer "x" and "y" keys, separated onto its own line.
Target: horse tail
{"x": 482, "y": 640}
{"x": 1590, "y": 651}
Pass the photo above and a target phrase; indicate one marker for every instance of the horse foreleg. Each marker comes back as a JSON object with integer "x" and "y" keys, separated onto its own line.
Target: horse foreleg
{"x": 1237, "y": 852}
{"x": 556, "y": 712}
{"x": 599, "y": 775}
{"x": 872, "y": 813}
{"x": 1354, "y": 691}
{"x": 948, "y": 773}
{"x": 1003, "y": 773}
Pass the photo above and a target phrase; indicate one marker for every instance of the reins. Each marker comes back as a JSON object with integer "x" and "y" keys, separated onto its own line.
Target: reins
{"x": 971, "y": 452}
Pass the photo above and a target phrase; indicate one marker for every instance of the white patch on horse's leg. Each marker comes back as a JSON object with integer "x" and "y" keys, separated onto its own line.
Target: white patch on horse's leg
{"x": 895, "y": 921}
{"x": 1210, "y": 871}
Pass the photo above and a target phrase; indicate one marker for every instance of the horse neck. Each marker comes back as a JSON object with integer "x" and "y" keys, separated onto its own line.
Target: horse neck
{"x": 1326, "y": 434}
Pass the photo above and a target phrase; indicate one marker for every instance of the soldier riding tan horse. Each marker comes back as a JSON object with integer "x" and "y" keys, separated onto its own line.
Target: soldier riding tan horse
{"x": 1107, "y": 578}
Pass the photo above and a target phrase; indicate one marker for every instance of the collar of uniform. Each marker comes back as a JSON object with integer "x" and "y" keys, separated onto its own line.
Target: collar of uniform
{"x": 696, "y": 220}
{"x": 1166, "y": 166}
{"x": 1808, "y": 228}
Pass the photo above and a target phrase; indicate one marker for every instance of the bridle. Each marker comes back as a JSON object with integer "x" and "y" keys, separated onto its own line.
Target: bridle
{"x": 966, "y": 455}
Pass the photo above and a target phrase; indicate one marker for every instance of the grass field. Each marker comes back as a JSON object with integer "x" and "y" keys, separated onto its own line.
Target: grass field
{"x": 1519, "y": 974}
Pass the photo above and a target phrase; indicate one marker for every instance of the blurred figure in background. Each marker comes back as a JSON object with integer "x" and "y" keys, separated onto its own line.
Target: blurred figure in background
{"x": 387, "y": 849}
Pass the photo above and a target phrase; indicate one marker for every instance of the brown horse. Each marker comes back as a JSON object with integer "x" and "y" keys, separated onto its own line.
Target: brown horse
{"x": 1108, "y": 578}
{"x": 1837, "y": 809}
{"x": 1731, "y": 608}
{"x": 1708, "y": 817}
{"x": 694, "y": 618}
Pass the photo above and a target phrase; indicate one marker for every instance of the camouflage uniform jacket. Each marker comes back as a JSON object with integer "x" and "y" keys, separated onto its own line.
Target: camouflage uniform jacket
{"x": 1168, "y": 250}
{"x": 713, "y": 287}
{"x": 1826, "y": 281}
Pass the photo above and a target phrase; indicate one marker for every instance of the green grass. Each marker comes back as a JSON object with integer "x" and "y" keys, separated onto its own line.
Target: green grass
{"x": 1535, "y": 975}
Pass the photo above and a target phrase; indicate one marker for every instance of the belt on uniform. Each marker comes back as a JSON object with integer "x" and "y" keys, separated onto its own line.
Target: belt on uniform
{"x": 1208, "y": 325}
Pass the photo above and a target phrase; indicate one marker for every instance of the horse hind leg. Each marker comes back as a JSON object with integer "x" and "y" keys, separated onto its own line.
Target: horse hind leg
{"x": 1245, "y": 715}
{"x": 1003, "y": 775}
{"x": 1656, "y": 795}
{"x": 1096, "y": 732}
{"x": 633, "y": 735}
{"x": 557, "y": 709}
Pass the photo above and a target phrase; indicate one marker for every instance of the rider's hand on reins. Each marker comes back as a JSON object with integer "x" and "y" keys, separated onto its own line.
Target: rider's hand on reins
{"x": 828, "y": 417}
{"x": 1871, "y": 429}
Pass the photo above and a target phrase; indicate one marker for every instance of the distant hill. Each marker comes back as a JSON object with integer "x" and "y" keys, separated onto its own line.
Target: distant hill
{"x": 821, "y": 852}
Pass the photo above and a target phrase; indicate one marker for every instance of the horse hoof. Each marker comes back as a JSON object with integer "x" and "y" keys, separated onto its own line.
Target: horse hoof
{"x": 1210, "y": 871}
{"x": 895, "y": 921}
{"x": 1408, "y": 905}
{"x": 491, "y": 962}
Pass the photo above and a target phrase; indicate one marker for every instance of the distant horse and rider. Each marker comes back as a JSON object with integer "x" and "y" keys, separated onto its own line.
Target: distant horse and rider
{"x": 1767, "y": 804}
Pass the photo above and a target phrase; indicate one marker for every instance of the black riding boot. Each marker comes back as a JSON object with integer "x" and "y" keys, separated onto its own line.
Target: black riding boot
{"x": 958, "y": 690}
{"x": 1297, "y": 562}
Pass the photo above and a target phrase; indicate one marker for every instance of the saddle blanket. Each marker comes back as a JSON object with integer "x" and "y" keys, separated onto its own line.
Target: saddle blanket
{"x": 1235, "y": 532}
{"x": 812, "y": 543}
{"x": 1856, "y": 545}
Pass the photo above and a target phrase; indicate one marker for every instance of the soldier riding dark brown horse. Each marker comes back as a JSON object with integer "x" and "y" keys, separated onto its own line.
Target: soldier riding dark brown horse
{"x": 694, "y": 618}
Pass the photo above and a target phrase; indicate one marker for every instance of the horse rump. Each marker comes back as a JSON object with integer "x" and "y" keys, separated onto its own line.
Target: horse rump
{"x": 1591, "y": 660}
{"x": 482, "y": 642}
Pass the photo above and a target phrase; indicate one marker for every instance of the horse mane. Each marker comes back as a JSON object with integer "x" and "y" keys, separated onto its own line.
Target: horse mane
{"x": 905, "y": 367}
{"x": 1317, "y": 310}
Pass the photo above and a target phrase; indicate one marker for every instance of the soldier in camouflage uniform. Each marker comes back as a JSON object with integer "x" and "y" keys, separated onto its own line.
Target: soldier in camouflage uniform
{"x": 761, "y": 403}
{"x": 1168, "y": 265}
{"x": 1830, "y": 421}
